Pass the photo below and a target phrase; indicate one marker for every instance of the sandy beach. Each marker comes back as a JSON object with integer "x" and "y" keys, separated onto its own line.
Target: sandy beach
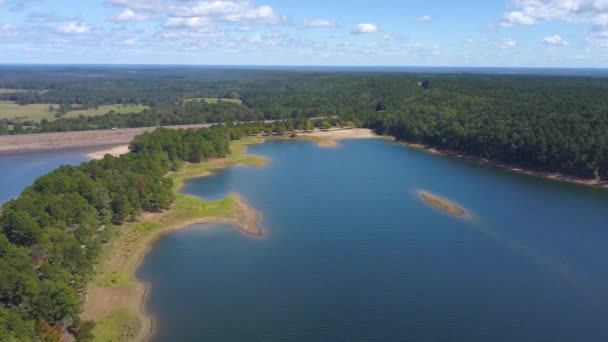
{"x": 115, "y": 151}
{"x": 331, "y": 138}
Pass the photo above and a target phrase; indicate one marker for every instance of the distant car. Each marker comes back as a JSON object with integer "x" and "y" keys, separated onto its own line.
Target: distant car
{"x": 114, "y": 128}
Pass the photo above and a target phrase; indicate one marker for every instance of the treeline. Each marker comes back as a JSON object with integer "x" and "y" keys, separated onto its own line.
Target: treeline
{"x": 552, "y": 125}
{"x": 545, "y": 122}
{"x": 51, "y": 236}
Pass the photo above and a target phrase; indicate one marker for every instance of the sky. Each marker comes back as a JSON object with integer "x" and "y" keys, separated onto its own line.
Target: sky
{"x": 502, "y": 33}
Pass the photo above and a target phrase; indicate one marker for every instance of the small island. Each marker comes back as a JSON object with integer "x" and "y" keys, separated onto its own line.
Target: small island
{"x": 441, "y": 204}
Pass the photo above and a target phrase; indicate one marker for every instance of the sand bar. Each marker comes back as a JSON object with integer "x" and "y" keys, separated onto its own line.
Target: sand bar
{"x": 442, "y": 204}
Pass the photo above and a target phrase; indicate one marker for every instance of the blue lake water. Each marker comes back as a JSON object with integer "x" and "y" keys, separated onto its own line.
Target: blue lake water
{"x": 17, "y": 171}
{"x": 350, "y": 253}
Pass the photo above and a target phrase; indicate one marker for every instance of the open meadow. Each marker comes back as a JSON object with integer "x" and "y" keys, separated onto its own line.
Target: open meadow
{"x": 39, "y": 111}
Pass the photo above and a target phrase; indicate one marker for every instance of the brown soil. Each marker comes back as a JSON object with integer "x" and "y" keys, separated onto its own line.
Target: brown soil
{"x": 80, "y": 139}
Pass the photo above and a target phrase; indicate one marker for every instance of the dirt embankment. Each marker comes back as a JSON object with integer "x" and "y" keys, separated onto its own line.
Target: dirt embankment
{"x": 71, "y": 140}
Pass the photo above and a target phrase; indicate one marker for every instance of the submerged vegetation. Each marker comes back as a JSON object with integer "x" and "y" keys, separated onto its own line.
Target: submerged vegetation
{"x": 52, "y": 235}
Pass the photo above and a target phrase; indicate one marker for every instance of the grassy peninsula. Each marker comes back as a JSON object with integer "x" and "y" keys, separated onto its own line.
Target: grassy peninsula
{"x": 115, "y": 298}
{"x": 72, "y": 239}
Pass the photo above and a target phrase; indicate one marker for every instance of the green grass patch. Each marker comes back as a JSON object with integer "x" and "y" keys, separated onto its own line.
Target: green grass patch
{"x": 215, "y": 100}
{"x": 34, "y": 112}
{"x": 131, "y": 240}
{"x": 104, "y": 109}
{"x": 37, "y": 112}
{"x": 121, "y": 325}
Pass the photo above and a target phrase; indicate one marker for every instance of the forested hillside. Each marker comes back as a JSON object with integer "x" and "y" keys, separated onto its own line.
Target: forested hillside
{"x": 544, "y": 122}
{"x": 51, "y": 236}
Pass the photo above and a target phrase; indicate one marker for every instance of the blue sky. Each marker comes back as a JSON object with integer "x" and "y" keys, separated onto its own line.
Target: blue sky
{"x": 533, "y": 33}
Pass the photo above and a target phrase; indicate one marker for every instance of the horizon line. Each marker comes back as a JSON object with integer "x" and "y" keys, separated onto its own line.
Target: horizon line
{"x": 305, "y": 66}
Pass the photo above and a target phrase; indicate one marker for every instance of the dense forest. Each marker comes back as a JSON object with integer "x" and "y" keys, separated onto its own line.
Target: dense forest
{"x": 51, "y": 236}
{"x": 549, "y": 123}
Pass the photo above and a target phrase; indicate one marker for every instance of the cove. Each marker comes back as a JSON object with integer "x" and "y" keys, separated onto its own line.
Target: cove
{"x": 17, "y": 171}
{"x": 351, "y": 253}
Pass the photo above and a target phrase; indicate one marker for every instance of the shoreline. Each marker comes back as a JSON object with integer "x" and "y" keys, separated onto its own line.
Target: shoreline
{"x": 116, "y": 296}
{"x": 115, "y": 299}
{"x": 331, "y": 138}
{"x": 522, "y": 170}
{"x": 115, "y": 151}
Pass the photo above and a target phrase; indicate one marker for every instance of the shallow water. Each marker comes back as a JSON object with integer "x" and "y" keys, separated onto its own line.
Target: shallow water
{"x": 351, "y": 253}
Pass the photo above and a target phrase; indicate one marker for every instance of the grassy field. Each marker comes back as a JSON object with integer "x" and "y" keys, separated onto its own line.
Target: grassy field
{"x": 122, "y": 320}
{"x": 37, "y": 112}
{"x": 214, "y": 100}
{"x": 104, "y": 109}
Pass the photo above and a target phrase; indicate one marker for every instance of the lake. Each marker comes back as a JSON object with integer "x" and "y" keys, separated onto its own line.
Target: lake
{"x": 350, "y": 253}
{"x": 17, "y": 171}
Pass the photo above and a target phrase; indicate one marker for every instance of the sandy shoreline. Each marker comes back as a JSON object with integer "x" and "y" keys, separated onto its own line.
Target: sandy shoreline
{"x": 115, "y": 151}
{"x": 110, "y": 297}
{"x": 331, "y": 138}
{"x": 555, "y": 176}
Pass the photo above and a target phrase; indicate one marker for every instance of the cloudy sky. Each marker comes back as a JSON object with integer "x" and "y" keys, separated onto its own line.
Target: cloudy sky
{"x": 571, "y": 33}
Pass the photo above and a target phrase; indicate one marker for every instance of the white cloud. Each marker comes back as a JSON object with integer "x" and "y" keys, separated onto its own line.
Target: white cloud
{"x": 518, "y": 18}
{"x": 598, "y": 35}
{"x": 255, "y": 39}
{"x": 227, "y": 10}
{"x": 73, "y": 28}
{"x": 129, "y": 15}
{"x": 16, "y": 5}
{"x": 555, "y": 40}
{"x": 264, "y": 14}
{"x": 8, "y": 30}
{"x": 319, "y": 23}
{"x": 425, "y": 19}
{"x": 507, "y": 43}
{"x": 193, "y": 22}
{"x": 208, "y": 8}
{"x": 365, "y": 28}
{"x": 530, "y": 12}
{"x": 593, "y": 12}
